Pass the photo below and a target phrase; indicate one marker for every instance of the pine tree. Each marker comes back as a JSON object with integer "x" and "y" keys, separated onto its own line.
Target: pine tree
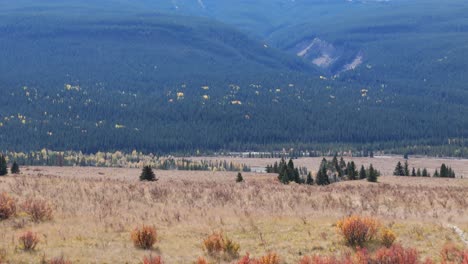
{"x": 322, "y": 175}
{"x": 413, "y": 173}
{"x": 372, "y": 175}
{"x": 15, "y": 168}
{"x": 424, "y": 173}
{"x": 444, "y": 172}
{"x": 3, "y": 166}
{"x": 239, "y": 177}
{"x": 399, "y": 171}
{"x": 436, "y": 173}
{"x": 342, "y": 163}
{"x": 310, "y": 180}
{"x": 147, "y": 174}
{"x": 406, "y": 169}
{"x": 418, "y": 173}
{"x": 362, "y": 173}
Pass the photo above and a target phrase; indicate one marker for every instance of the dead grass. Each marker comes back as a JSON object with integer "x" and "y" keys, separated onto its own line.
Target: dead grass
{"x": 95, "y": 209}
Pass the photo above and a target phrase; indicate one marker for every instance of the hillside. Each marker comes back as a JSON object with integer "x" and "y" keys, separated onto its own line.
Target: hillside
{"x": 259, "y": 75}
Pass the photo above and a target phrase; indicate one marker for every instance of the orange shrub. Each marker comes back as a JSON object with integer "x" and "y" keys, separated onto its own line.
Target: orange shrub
{"x": 271, "y": 258}
{"x": 59, "y": 260}
{"x": 38, "y": 210}
{"x": 357, "y": 230}
{"x": 216, "y": 244}
{"x": 28, "y": 241}
{"x": 144, "y": 237}
{"x": 396, "y": 254}
{"x": 201, "y": 260}
{"x": 152, "y": 260}
{"x": 7, "y": 206}
{"x": 388, "y": 237}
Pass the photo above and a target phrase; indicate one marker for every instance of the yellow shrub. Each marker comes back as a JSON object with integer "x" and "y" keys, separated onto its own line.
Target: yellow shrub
{"x": 388, "y": 237}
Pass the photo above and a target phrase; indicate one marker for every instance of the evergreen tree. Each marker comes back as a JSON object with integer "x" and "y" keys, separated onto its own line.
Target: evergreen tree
{"x": 424, "y": 173}
{"x": 436, "y": 173}
{"x": 239, "y": 177}
{"x": 322, "y": 175}
{"x": 310, "y": 180}
{"x": 147, "y": 174}
{"x": 371, "y": 154}
{"x": 15, "y": 168}
{"x": 342, "y": 163}
{"x": 362, "y": 173}
{"x": 418, "y": 173}
{"x": 406, "y": 169}
{"x": 372, "y": 175}
{"x": 399, "y": 171}
{"x": 413, "y": 172}
{"x": 444, "y": 172}
{"x": 3, "y": 166}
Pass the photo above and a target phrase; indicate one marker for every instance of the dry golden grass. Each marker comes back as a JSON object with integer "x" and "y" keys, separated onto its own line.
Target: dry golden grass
{"x": 95, "y": 209}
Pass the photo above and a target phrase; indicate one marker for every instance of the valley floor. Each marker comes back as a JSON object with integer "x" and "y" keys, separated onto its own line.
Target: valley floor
{"x": 95, "y": 210}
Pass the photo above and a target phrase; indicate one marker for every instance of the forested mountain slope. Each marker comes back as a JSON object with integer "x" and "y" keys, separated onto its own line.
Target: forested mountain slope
{"x": 181, "y": 76}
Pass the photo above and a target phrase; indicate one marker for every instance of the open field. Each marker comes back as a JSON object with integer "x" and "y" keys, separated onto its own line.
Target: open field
{"x": 95, "y": 210}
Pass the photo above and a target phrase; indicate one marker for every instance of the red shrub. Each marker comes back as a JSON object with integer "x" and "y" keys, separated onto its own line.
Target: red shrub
{"x": 28, "y": 241}
{"x": 152, "y": 260}
{"x": 144, "y": 237}
{"x": 396, "y": 254}
{"x": 452, "y": 254}
{"x": 7, "y": 206}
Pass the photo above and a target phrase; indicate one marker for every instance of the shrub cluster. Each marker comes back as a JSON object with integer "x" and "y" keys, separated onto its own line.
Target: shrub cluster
{"x": 38, "y": 210}
{"x": 7, "y": 206}
{"x": 58, "y": 260}
{"x": 358, "y": 230}
{"x": 144, "y": 237}
{"x": 387, "y": 237}
{"x": 217, "y": 245}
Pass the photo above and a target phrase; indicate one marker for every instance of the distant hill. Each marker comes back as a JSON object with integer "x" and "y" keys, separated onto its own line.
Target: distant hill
{"x": 182, "y": 76}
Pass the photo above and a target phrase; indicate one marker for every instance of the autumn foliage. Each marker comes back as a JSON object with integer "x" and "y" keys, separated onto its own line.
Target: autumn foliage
{"x": 357, "y": 230}
{"x": 152, "y": 260}
{"x": 217, "y": 244}
{"x": 270, "y": 258}
{"x": 144, "y": 237}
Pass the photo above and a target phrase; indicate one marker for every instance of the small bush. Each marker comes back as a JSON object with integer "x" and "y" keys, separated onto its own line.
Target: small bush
{"x": 217, "y": 244}
{"x": 28, "y": 241}
{"x": 214, "y": 244}
{"x": 38, "y": 210}
{"x": 396, "y": 254}
{"x": 59, "y": 260}
{"x": 152, "y": 260}
{"x": 231, "y": 248}
{"x": 144, "y": 237}
{"x": 387, "y": 237}
{"x": 7, "y": 206}
{"x": 271, "y": 258}
{"x": 357, "y": 230}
